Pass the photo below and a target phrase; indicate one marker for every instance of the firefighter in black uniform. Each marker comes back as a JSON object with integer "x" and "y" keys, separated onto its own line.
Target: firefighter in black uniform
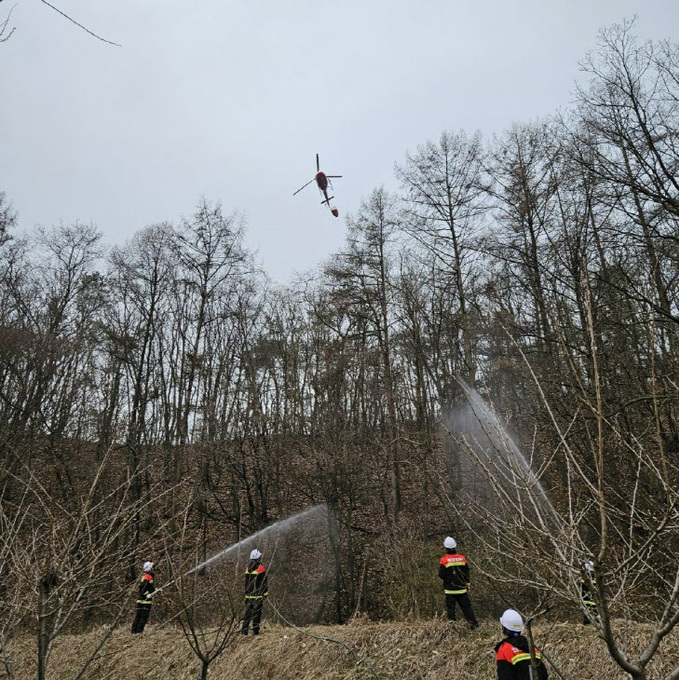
{"x": 256, "y": 589}
{"x": 586, "y": 595}
{"x": 511, "y": 653}
{"x": 454, "y": 571}
{"x": 147, "y": 588}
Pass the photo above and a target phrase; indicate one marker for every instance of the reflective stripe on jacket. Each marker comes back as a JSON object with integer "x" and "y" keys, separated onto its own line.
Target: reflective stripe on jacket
{"x": 513, "y": 660}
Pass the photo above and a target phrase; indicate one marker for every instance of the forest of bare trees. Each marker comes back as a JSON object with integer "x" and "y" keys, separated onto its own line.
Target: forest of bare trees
{"x": 540, "y": 267}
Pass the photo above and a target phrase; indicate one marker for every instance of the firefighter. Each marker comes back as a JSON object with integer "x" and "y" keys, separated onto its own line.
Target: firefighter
{"x": 256, "y": 590}
{"x": 511, "y": 653}
{"x": 147, "y": 589}
{"x": 454, "y": 571}
{"x": 587, "y": 585}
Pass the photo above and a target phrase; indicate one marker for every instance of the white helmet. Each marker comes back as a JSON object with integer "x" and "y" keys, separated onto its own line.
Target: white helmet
{"x": 148, "y": 566}
{"x": 589, "y": 565}
{"x": 512, "y": 621}
{"x": 255, "y": 554}
{"x": 450, "y": 543}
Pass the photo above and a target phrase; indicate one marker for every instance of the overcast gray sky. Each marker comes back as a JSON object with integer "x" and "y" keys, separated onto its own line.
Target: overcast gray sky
{"x": 232, "y": 100}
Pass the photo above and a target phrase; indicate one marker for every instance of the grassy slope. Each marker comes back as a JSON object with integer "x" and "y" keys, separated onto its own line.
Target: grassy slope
{"x": 419, "y": 650}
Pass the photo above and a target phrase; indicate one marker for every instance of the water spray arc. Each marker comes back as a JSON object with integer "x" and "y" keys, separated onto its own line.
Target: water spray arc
{"x": 248, "y": 542}
{"x": 518, "y": 470}
{"x": 488, "y": 441}
{"x": 268, "y": 533}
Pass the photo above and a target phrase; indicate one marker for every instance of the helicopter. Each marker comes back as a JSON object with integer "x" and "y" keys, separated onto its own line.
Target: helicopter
{"x": 322, "y": 181}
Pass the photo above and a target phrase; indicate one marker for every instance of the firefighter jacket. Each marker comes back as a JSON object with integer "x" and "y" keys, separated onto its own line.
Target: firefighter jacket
{"x": 513, "y": 660}
{"x": 256, "y": 585}
{"x": 586, "y": 592}
{"x": 146, "y": 588}
{"x": 454, "y": 571}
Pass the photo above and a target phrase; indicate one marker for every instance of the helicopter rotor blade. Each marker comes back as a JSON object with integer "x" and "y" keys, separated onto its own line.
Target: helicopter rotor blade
{"x": 304, "y": 187}
{"x": 333, "y": 176}
{"x": 318, "y": 164}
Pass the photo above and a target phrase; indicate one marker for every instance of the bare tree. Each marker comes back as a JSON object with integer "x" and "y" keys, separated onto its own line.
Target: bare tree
{"x": 52, "y": 307}
{"x": 68, "y": 558}
{"x": 207, "y": 600}
{"x": 523, "y": 187}
{"x": 8, "y": 215}
{"x": 360, "y": 280}
{"x": 630, "y": 110}
{"x": 625, "y": 134}
{"x": 13, "y": 609}
{"x": 538, "y": 541}
{"x": 444, "y": 188}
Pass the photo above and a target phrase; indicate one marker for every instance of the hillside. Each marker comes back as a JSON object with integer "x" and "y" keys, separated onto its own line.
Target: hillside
{"x": 422, "y": 650}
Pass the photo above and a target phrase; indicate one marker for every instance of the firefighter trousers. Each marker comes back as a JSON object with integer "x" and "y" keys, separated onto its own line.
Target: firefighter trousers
{"x": 253, "y": 612}
{"x": 465, "y": 605}
{"x": 141, "y": 617}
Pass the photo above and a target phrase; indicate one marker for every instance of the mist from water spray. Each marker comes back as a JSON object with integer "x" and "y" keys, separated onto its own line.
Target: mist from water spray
{"x": 480, "y": 427}
{"x": 287, "y": 545}
{"x": 266, "y": 534}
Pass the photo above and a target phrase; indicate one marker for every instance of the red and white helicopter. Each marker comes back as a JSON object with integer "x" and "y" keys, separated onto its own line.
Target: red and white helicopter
{"x": 323, "y": 182}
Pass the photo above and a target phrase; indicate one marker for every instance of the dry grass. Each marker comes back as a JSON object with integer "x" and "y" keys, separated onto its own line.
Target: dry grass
{"x": 423, "y": 650}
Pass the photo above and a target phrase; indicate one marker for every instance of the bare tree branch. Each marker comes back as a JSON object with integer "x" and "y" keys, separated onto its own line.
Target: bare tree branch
{"x": 4, "y": 29}
{"x": 87, "y": 30}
